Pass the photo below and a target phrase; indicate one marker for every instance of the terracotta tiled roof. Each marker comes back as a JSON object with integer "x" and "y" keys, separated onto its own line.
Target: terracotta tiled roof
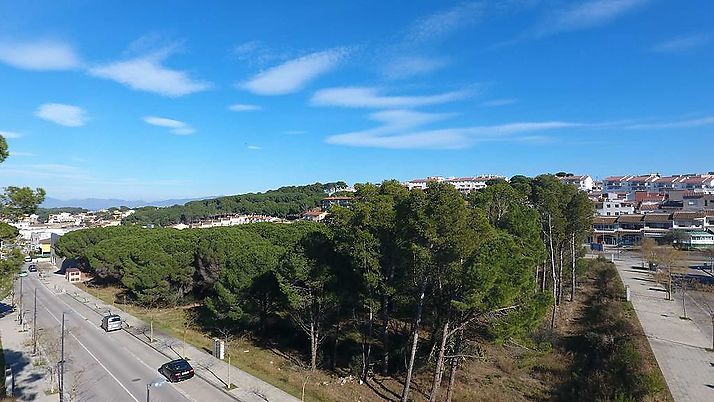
{"x": 689, "y": 215}
{"x": 642, "y": 179}
{"x": 648, "y": 207}
{"x": 630, "y": 218}
{"x": 657, "y": 217}
{"x": 313, "y": 213}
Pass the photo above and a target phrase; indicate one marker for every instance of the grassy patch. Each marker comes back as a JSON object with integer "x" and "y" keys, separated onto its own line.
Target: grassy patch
{"x": 612, "y": 357}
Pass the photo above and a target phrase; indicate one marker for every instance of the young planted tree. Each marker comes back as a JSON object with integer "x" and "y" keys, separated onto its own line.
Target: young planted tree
{"x": 670, "y": 260}
{"x": 648, "y": 249}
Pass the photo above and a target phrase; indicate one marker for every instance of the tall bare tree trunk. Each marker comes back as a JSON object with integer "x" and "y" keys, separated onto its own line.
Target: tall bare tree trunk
{"x": 560, "y": 274}
{"x": 552, "y": 269}
{"x": 385, "y": 335}
{"x": 334, "y": 347}
{"x": 439, "y": 369}
{"x": 313, "y": 345}
{"x": 367, "y": 345}
{"x": 455, "y": 364}
{"x": 572, "y": 269}
{"x": 415, "y": 340}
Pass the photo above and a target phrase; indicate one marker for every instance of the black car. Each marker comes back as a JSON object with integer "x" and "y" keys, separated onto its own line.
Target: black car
{"x": 32, "y": 268}
{"x": 177, "y": 370}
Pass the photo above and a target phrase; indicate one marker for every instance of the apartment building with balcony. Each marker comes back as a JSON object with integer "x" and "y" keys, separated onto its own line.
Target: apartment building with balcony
{"x": 660, "y": 184}
{"x": 465, "y": 185}
{"x": 583, "y": 183}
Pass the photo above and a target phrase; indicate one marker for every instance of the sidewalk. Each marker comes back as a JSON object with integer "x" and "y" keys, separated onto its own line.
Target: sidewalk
{"x": 31, "y": 381}
{"x": 678, "y": 344}
{"x": 213, "y": 370}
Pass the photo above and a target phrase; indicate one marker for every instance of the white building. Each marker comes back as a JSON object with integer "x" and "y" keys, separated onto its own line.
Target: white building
{"x": 463, "y": 184}
{"x": 583, "y": 183}
{"x": 660, "y": 184}
{"x": 614, "y": 207}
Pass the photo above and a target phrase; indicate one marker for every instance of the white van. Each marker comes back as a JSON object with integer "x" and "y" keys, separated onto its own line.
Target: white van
{"x": 111, "y": 322}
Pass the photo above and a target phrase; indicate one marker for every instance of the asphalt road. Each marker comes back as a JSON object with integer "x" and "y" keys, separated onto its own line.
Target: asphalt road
{"x": 103, "y": 366}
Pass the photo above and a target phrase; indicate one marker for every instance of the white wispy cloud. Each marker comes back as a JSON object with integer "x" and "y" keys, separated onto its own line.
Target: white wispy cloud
{"x": 254, "y": 147}
{"x": 10, "y": 134}
{"x": 585, "y": 15}
{"x": 407, "y": 67}
{"x": 295, "y": 74}
{"x": 175, "y": 126}
{"x": 436, "y": 26}
{"x": 64, "y": 115}
{"x": 44, "y": 55}
{"x": 242, "y": 107}
{"x": 683, "y": 44}
{"x": 20, "y": 153}
{"x": 257, "y": 53}
{"x": 366, "y": 97}
{"x": 689, "y": 123}
{"x": 499, "y": 102}
{"x": 148, "y": 73}
{"x": 446, "y": 138}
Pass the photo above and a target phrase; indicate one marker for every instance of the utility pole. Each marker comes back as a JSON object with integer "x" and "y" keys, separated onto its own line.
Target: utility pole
{"x": 34, "y": 325}
{"x": 61, "y": 373}
{"x": 21, "y": 313}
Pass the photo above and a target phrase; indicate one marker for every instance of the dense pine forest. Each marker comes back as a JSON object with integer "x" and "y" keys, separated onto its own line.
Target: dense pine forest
{"x": 399, "y": 281}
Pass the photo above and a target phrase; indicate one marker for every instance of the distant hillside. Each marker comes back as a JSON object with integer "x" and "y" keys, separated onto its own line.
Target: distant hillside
{"x": 285, "y": 201}
{"x": 94, "y": 204}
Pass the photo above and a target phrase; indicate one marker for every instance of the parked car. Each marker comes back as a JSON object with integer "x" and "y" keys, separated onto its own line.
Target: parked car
{"x": 28, "y": 258}
{"x": 32, "y": 268}
{"x": 111, "y": 322}
{"x": 177, "y": 370}
{"x": 23, "y": 273}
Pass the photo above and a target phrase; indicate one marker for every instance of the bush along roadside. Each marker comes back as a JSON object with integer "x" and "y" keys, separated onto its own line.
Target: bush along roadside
{"x": 613, "y": 360}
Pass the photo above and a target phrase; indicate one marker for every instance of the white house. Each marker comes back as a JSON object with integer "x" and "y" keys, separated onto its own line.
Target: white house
{"x": 583, "y": 183}
{"x": 613, "y": 207}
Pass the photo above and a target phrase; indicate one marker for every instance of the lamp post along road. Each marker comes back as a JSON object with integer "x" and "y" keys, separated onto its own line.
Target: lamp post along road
{"x": 155, "y": 383}
{"x": 34, "y": 325}
{"x": 21, "y": 301}
{"x": 61, "y": 372}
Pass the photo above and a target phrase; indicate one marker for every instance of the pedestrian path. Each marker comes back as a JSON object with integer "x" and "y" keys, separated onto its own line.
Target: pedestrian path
{"x": 678, "y": 344}
{"x": 30, "y": 380}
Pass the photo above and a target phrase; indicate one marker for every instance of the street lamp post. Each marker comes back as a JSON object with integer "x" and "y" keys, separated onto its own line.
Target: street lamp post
{"x": 61, "y": 372}
{"x": 157, "y": 382}
{"x": 21, "y": 300}
{"x": 34, "y": 325}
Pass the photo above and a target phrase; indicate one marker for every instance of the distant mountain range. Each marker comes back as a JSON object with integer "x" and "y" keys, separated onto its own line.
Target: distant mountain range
{"x": 94, "y": 204}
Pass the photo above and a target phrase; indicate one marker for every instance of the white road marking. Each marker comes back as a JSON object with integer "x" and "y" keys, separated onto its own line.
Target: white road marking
{"x": 90, "y": 353}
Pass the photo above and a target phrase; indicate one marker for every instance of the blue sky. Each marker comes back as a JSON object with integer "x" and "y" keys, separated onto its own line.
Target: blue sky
{"x": 161, "y": 99}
